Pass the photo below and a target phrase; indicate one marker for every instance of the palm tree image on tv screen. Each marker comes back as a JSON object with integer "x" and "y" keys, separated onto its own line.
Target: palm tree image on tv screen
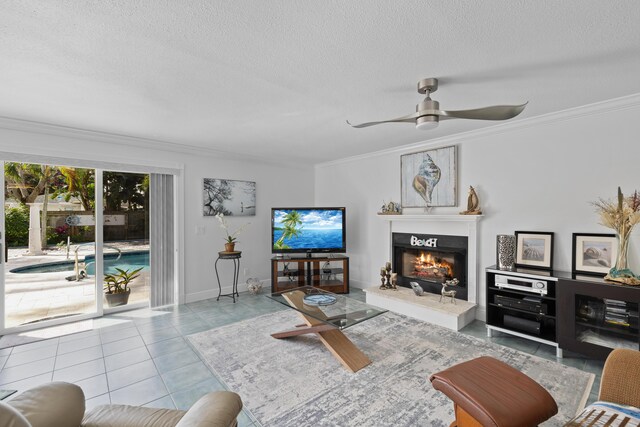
{"x": 308, "y": 229}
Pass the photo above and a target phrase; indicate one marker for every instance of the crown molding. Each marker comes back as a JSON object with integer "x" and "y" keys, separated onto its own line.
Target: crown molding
{"x": 615, "y": 104}
{"x": 29, "y": 126}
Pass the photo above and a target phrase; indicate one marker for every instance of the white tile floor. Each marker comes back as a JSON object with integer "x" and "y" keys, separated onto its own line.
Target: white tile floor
{"x": 142, "y": 358}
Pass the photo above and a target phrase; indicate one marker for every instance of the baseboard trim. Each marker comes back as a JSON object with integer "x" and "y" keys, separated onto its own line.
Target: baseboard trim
{"x": 212, "y": 293}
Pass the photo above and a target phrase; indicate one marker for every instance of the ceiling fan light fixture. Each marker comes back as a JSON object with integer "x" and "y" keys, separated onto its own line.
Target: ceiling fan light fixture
{"x": 427, "y": 122}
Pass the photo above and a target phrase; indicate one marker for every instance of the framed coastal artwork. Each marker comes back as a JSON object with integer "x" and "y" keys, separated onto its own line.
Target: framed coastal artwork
{"x": 428, "y": 178}
{"x": 593, "y": 253}
{"x": 534, "y": 249}
{"x": 228, "y": 197}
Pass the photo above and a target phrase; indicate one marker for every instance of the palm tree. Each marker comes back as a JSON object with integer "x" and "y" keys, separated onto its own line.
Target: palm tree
{"x": 290, "y": 223}
{"x": 80, "y": 183}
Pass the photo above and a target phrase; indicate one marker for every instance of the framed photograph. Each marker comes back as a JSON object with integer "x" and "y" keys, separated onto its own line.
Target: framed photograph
{"x": 534, "y": 249}
{"x": 228, "y": 197}
{"x": 593, "y": 253}
{"x": 428, "y": 178}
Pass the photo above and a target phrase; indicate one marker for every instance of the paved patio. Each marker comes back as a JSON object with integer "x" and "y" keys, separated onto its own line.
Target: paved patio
{"x": 32, "y": 297}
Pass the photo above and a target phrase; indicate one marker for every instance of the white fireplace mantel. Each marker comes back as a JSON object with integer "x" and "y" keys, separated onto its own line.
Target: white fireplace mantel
{"x": 455, "y": 225}
{"x": 432, "y": 218}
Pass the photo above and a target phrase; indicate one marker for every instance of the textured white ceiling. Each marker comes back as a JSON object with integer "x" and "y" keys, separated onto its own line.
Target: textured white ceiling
{"x": 277, "y": 79}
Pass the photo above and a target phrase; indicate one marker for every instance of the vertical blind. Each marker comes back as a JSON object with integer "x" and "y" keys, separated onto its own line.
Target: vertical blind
{"x": 161, "y": 251}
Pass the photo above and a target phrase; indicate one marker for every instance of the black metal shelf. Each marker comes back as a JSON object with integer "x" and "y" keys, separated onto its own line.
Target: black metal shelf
{"x": 548, "y": 316}
{"x": 544, "y": 335}
{"x": 547, "y": 323}
{"x": 517, "y": 292}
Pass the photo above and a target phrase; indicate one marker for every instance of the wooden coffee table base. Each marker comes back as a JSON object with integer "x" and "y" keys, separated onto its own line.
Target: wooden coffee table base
{"x": 338, "y": 344}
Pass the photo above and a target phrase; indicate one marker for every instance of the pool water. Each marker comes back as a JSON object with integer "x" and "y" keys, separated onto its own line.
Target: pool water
{"x": 128, "y": 261}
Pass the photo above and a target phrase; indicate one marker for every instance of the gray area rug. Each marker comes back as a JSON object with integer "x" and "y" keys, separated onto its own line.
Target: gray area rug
{"x": 297, "y": 382}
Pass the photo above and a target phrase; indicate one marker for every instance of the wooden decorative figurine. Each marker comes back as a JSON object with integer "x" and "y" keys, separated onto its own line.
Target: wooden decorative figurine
{"x": 473, "y": 203}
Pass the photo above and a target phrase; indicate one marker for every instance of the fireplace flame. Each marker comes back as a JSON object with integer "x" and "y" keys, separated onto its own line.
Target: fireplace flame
{"x": 430, "y": 267}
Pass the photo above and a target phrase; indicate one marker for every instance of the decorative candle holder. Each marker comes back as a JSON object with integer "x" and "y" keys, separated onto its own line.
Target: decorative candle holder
{"x": 394, "y": 281}
{"x": 388, "y": 274}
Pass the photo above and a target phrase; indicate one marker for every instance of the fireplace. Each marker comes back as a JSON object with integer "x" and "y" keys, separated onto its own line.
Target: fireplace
{"x": 430, "y": 260}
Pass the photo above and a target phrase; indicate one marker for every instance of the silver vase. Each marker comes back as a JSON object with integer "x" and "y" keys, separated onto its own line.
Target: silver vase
{"x": 506, "y": 252}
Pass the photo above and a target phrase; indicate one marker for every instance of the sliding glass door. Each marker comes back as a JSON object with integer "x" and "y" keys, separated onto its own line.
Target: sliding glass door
{"x": 49, "y": 224}
{"x": 126, "y": 239}
{"x": 59, "y": 266}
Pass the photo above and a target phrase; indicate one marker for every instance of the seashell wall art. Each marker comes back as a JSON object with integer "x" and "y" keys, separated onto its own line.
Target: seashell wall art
{"x": 428, "y": 178}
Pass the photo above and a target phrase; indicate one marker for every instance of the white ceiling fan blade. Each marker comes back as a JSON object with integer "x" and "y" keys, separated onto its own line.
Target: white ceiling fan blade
{"x": 495, "y": 112}
{"x": 410, "y": 118}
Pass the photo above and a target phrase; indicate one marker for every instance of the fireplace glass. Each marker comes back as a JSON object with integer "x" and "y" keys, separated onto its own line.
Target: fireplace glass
{"x": 428, "y": 265}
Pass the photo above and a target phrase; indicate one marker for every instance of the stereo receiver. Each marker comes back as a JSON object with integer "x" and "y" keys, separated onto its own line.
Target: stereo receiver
{"x": 526, "y": 284}
{"x": 530, "y": 304}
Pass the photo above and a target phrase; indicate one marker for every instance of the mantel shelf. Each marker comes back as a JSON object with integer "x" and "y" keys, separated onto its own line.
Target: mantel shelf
{"x": 431, "y": 218}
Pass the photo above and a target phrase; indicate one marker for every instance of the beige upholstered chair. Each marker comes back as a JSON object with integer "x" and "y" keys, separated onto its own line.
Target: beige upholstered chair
{"x": 619, "y": 398}
{"x": 61, "y": 404}
{"x": 620, "y": 381}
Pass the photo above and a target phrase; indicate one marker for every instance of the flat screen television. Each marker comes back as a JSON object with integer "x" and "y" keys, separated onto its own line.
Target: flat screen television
{"x": 308, "y": 230}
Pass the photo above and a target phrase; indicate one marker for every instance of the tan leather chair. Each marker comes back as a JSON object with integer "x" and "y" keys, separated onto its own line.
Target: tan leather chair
{"x": 489, "y": 393}
{"x": 60, "y": 404}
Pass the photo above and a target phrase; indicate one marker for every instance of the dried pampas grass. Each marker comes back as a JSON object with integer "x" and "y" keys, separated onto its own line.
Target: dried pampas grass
{"x": 622, "y": 215}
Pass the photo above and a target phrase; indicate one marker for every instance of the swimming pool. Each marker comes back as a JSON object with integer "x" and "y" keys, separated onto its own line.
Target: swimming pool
{"x": 128, "y": 260}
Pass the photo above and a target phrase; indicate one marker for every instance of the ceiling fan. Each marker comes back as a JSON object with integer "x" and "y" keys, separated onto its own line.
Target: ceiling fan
{"x": 428, "y": 112}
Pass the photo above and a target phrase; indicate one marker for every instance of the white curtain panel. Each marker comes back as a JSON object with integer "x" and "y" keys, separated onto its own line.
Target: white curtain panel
{"x": 161, "y": 254}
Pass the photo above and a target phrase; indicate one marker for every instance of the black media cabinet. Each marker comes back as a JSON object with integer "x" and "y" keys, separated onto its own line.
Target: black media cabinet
{"x": 581, "y": 313}
{"x": 523, "y": 313}
{"x": 597, "y": 316}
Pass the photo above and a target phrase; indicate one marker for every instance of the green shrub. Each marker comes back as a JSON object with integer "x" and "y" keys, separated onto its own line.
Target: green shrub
{"x": 58, "y": 235}
{"x": 83, "y": 234}
{"x": 17, "y": 226}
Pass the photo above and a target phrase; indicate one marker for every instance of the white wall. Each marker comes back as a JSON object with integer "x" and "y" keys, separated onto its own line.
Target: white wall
{"x": 274, "y": 185}
{"x": 538, "y": 174}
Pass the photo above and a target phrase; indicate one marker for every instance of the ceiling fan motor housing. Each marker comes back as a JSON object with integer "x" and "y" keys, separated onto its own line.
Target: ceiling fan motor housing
{"x": 428, "y": 121}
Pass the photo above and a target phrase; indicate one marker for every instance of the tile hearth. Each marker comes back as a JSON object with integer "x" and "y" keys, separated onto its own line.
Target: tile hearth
{"x": 426, "y": 307}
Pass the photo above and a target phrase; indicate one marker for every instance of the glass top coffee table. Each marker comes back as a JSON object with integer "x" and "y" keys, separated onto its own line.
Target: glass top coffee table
{"x": 327, "y": 314}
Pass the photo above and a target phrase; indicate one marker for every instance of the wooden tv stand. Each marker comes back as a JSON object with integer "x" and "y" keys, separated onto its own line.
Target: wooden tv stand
{"x": 330, "y": 273}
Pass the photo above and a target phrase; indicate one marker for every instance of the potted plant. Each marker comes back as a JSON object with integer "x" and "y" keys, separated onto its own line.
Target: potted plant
{"x": 231, "y": 238}
{"x": 230, "y": 246}
{"x": 116, "y": 286}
